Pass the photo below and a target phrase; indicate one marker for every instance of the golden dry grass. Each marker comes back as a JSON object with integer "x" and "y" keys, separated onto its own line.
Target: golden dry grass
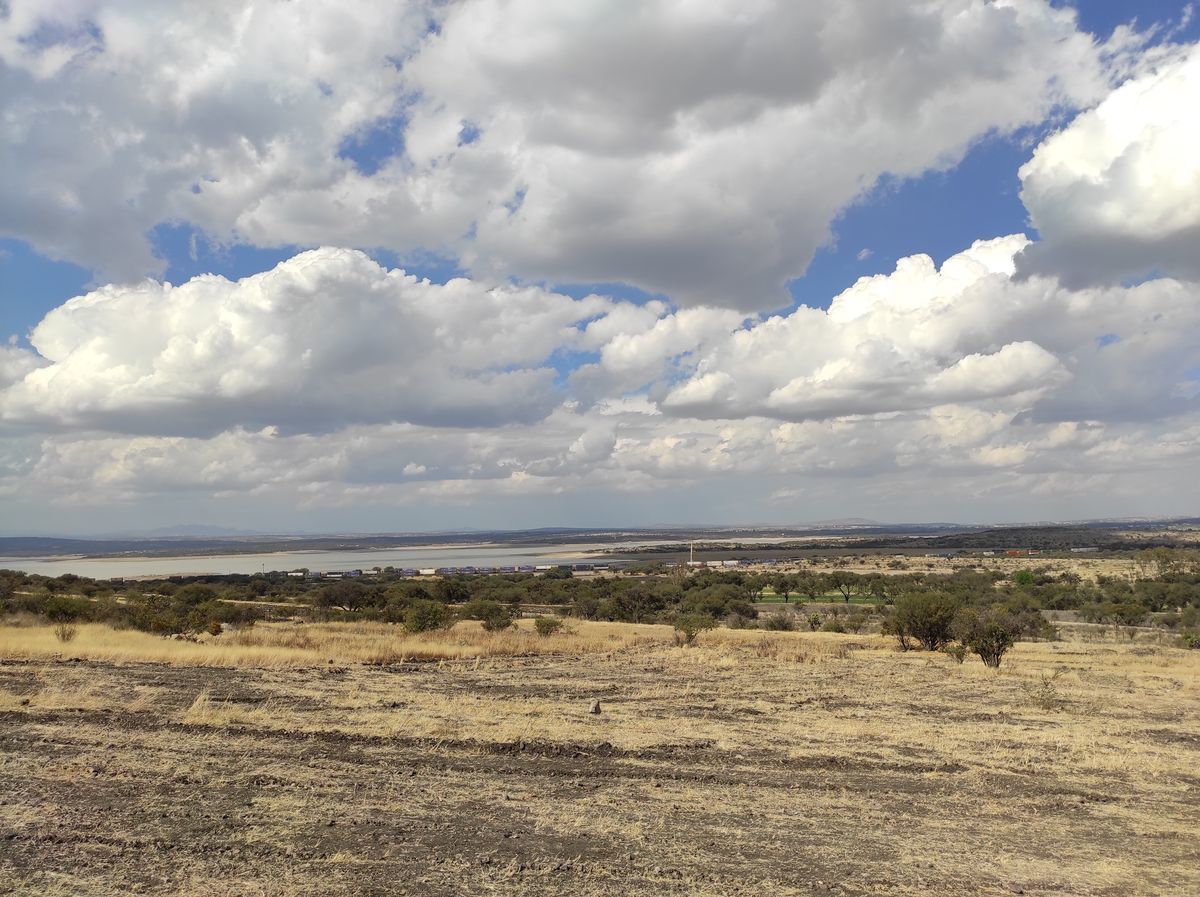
{"x": 275, "y": 645}
{"x": 1086, "y": 567}
{"x": 751, "y": 763}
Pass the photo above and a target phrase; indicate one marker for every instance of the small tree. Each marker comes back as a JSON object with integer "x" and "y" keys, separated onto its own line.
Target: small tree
{"x": 925, "y": 616}
{"x": 425, "y": 615}
{"x": 494, "y": 615}
{"x": 814, "y": 622}
{"x": 988, "y": 633}
{"x": 688, "y": 626}
{"x": 547, "y": 626}
{"x": 844, "y": 583}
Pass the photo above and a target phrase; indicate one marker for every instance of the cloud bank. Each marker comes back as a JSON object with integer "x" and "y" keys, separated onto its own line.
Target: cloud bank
{"x": 331, "y": 379}
{"x": 697, "y": 150}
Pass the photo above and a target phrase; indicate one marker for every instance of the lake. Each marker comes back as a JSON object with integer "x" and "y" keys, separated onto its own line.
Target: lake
{"x": 477, "y": 555}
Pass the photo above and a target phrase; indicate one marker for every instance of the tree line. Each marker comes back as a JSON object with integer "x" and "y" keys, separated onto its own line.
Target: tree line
{"x": 1165, "y": 592}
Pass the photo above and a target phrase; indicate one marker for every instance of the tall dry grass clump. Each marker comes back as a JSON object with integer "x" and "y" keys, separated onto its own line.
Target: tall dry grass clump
{"x": 297, "y": 645}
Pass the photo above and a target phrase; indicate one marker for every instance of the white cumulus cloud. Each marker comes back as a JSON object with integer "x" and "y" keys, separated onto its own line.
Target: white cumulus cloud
{"x": 1116, "y": 194}
{"x": 696, "y": 149}
{"x": 326, "y": 339}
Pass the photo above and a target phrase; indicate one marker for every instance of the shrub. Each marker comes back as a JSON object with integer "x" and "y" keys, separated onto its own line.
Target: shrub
{"x": 195, "y": 593}
{"x": 1044, "y": 694}
{"x": 494, "y": 615}
{"x": 780, "y": 622}
{"x": 814, "y": 622}
{"x": 958, "y": 652}
{"x": 547, "y": 626}
{"x": 833, "y": 625}
{"x": 66, "y": 632}
{"x": 988, "y": 633}
{"x": 426, "y": 615}
{"x": 925, "y": 616}
{"x": 65, "y": 609}
{"x": 737, "y": 621}
{"x": 688, "y": 626}
{"x": 586, "y": 606}
{"x": 1190, "y": 640}
{"x": 856, "y": 621}
{"x": 1024, "y": 578}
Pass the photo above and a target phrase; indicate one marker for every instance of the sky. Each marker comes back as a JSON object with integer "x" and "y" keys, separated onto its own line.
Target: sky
{"x": 415, "y": 266}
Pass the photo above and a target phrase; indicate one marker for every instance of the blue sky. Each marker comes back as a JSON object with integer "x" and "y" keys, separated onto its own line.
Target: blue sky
{"x": 587, "y": 154}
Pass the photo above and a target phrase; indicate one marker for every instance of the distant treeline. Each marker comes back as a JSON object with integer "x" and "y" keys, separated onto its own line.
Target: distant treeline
{"x": 1165, "y": 592}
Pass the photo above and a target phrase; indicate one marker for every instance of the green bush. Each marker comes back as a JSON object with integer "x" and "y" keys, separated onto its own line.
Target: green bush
{"x": 195, "y": 593}
{"x": 547, "y": 626}
{"x": 924, "y": 616}
{"x": 688, "y": 626}
{"x": 64, "y": 609}
{"x": 814, "y": 622}
{"x": 988, "y": 633}
{"x": 426, "y": 615}
{"x": 958, "y": 652}
{"x": 494, "y": 615}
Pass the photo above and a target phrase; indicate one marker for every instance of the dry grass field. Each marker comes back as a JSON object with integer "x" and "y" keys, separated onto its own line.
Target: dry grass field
{"x": 1085, "y": 567}
{"x": 343, "y": 760}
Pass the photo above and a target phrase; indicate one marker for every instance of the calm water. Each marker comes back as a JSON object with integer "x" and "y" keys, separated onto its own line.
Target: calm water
{"x": 458, "y": 556}
{"x": 416, "y": 556}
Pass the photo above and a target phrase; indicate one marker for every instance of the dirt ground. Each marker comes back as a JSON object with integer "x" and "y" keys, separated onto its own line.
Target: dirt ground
{"x": 753, "y": 763}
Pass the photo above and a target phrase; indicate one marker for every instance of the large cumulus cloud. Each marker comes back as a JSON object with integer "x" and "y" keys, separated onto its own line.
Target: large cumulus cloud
{"x": 119, "y": 116}
{"x": 702, "y": 149}
{"x": 966, "y": 333}
{"x": 324, "y": 340}
{"x": 1116, "y": 194}
{"x": 694, "y": 149}
{"x": 331, "y": 381}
